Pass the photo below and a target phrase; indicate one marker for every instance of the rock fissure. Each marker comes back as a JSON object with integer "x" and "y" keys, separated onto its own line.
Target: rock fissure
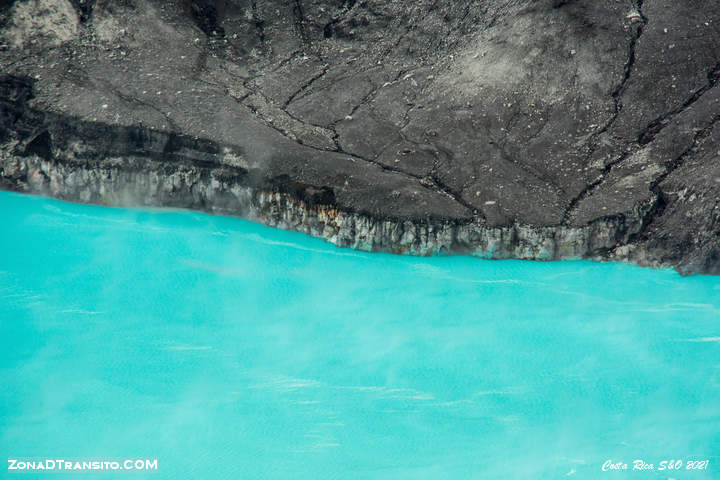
{"x": 618, "y": 91}
{"x": 651, "y": 131}
{"x": 304, "y": 87}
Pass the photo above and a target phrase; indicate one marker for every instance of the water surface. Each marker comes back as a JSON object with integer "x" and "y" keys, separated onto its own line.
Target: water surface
{"x": 228, "y": 350}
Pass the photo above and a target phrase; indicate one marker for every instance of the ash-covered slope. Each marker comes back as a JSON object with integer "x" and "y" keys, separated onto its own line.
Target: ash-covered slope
{"x": 515, "y": 128}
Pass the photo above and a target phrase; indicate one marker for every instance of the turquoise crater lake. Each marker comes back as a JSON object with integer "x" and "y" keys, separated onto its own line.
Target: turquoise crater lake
{"x": 228, "y": 350}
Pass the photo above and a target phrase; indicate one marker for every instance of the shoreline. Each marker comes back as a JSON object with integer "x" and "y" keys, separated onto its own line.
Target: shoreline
{"x": 207, "y": 190}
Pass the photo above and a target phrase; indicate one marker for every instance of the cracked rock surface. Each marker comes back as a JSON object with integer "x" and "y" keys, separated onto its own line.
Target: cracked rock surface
{"x": 540, "y": 129}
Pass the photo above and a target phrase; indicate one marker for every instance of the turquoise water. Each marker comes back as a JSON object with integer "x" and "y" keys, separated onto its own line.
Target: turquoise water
{"x": 228, "y": 350}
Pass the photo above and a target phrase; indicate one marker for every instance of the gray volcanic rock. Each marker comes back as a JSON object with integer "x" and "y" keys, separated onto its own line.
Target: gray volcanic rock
{"x": 538, "y": 129}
